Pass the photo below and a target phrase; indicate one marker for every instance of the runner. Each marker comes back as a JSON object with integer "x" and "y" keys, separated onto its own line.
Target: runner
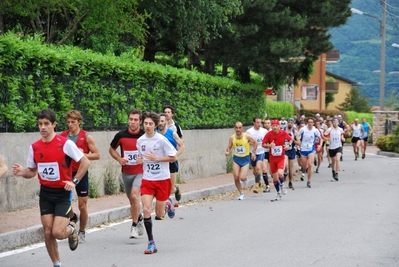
{"x": 308, "y": 136}
{"x": 178, "y": 144}
{"x": 50, "y": 160}
{"x": 266, "y": 169}
{"x": 327, "y": 143}
{"x": 132, "y": 171}
{"x": 86, "y": 144}
{"x": 155, "y": 153}
{"x": 341, "y": 124}
{"x": 335, "y": 134}
{"x": 240, "y": 143}
{"x": 368, "y": 131}
{"x": 275, "y": 140}
{"x": 258, "y": 133}
{"x": 290, "y": 154}
{"x": 3, "y": 167}
{"x": 357, "y": 136}
{"x": 318, "y": 142}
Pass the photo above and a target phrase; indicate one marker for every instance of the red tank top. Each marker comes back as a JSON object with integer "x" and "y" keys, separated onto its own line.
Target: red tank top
{"x": 51, "y": 160}
{"x": 81, "y": 142}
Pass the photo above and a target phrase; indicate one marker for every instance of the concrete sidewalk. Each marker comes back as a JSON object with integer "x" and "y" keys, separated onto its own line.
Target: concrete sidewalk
{"x": 23, "y": 228}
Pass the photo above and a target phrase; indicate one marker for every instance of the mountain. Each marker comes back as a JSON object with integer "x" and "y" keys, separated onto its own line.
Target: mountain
{"x": 359, "y": 42}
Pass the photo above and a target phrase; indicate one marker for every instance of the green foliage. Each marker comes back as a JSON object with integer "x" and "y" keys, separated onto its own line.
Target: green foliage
{"x": 352, "y": 115}
{"x": 329, "y": 98}
{"x": 110, "y": 181}
{"x": 229, "y": 163}
{"x": 355, "y": 101}
{"x": 93, "y": 188}
{"x": 278, "y": 109}
{"x": 388, "y": 143}
{"x": 34, "y": 76}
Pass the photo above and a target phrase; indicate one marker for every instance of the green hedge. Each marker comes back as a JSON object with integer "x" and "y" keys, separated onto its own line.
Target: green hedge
{"x": 278, "y": 109}
{"x": 104, "y": 88}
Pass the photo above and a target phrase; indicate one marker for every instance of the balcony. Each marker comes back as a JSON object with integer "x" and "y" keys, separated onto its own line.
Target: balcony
{"x": 332, "y": 87}
{"x": 332, "y": 56}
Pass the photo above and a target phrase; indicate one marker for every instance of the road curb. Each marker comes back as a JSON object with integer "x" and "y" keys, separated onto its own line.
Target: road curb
{"x": 388, "y": 154}
{"x": 34, "y": 234}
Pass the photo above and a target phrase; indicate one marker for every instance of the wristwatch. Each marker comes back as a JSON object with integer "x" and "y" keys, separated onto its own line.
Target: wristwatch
{"x": 75, "y": 181}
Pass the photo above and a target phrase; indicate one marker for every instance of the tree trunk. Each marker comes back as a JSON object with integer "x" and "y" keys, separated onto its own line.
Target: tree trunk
{"x": 193, "y": 61}
{"x": 209, "y": 66}
{"x": 1, "y": 23}
{"x": 243, "y": 73}
{"x": 225, "y": 70}
{"x": 150, "y": 49}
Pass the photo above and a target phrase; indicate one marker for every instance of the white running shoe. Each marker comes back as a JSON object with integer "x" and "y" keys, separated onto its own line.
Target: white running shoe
{"x": 140, "y": 226}
{"x": 241, "y": 197}
{"x": 283, "y": 189}
{"x": 82, "y": 236}
{"x": 278, "y": 197}
{"x": 267, "y": 189}
{"x": 134, "y": 233}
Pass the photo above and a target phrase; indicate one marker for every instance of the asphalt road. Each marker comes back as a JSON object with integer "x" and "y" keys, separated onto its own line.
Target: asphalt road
{"x": 353, "y": 222}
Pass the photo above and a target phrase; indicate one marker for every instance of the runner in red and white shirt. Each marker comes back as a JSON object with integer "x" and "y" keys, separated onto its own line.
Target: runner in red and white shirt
{"x": 275, "y": 140}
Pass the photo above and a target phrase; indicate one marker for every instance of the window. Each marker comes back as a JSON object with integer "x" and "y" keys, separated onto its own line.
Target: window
{"x": 309, "y": 92}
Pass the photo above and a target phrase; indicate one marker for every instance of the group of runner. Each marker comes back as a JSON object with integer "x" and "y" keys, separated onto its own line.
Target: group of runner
{"x": 273, "y": 148}
{"x": 148, "y": 160}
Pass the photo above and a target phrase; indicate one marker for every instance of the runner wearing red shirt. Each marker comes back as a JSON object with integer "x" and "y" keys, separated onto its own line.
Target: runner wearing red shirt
{"x": 275, "y": 141}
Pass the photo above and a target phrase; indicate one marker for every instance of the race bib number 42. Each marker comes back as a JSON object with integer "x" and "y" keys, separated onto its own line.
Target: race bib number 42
{"x": 49, "y": 171}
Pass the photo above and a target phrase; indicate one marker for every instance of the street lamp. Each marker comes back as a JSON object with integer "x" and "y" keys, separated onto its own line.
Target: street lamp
{"x": 382, "y": 34}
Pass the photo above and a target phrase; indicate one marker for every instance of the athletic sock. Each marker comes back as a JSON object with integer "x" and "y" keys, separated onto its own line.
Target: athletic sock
{"x": 148, "y": 227}
{"x": 134, "y": 224}
{"x": 266, "y": 178}
{"x": 57, "y": 264}
{"x": 257, "y": 178}
{"x": 281, "y": 180}
{"x": 277, "y": 186}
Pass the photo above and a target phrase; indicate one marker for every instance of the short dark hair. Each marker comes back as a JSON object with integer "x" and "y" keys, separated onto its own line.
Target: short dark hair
{"x": 152, "y": 115}
{"x": 134, "y": 111}
{"x": 46, "y": 114}
{"x": 255, "y": 118}
{"x": 172, "y": 109}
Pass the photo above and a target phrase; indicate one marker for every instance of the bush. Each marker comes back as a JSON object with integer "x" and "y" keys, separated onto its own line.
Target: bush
{"x": 278, "y": 109}
{"x": 93, "y": 188}
{"x": 389, "y": 143}
{"x": 110, "y": 184}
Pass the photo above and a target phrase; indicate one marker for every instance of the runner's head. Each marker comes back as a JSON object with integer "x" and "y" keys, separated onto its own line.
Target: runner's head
{"x": 275, "y": 126}
{"x": 238, "y": 128}
{"x": 74, "y": 119}
{"x": 267, "y": 124}
{"x": 257, "y": 121}
{"x": 134, "y": 120}
{"x": 291, "y": 123}
{"x": 162, "y": 122}
{"x": 150, "y": 121}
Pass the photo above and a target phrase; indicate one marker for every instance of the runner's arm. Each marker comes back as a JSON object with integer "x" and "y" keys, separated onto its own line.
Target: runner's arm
{"x": 180, "y": 144}
{"x": 3, "y": 167}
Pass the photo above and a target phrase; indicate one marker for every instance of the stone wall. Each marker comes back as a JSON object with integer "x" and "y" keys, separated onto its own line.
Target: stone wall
{"x": 203, "y": 157}
{"x": 379, "y": 120}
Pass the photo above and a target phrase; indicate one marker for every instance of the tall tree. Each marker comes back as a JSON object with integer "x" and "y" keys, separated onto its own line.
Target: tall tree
{"x": 355, "y": 101}
{"x": 73, "y": 21}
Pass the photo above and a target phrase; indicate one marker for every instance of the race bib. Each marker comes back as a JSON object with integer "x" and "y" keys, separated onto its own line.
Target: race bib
{"x": 277, "y": 150}
{"x": 131, "y": 157}
{"x": 240, "y": 150}
{"x": 49, "y": 171}
{"x": 154, "y": 168}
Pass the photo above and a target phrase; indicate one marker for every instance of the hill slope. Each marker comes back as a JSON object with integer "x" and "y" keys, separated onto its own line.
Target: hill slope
{"x": 360, "y": 44}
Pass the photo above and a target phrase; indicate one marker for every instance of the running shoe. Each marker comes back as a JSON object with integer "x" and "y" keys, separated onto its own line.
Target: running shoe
{"x": 241, "y": 197}
{"x": 140, "y": 225}
{"x": 170, "y": 208}
{"x": 152, "y": 248}
{"x": 317, "y": 170}
{"x": 279, "y": 196}
{"x": 329, "y": 165}
{"x": 82, "y": 236}
{"x": 256, "y": 189}
{"x": 267, "y": 189}
{"x": 333, "y": 173}
{"x": 283, "y": 189}
{"x": 177, "y": 193}
{"x": 336, "y": 176}
{"x": 302, "y": 176}
{"x": 73, "y": 238}
{"x": 157, "y": 218}
{"x": 290, "y": 185}
{"x": 74, "y": 218}
{"x": 309, "y": 185}
{"x": 363, "y": 156}
{"x": 134, "y": 232}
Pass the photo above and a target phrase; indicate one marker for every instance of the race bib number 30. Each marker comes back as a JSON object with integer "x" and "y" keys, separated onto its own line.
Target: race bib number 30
{"x": 277, "y": 150}
{"x": 49, "y": 171}
{"x": 131, "y": 157}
